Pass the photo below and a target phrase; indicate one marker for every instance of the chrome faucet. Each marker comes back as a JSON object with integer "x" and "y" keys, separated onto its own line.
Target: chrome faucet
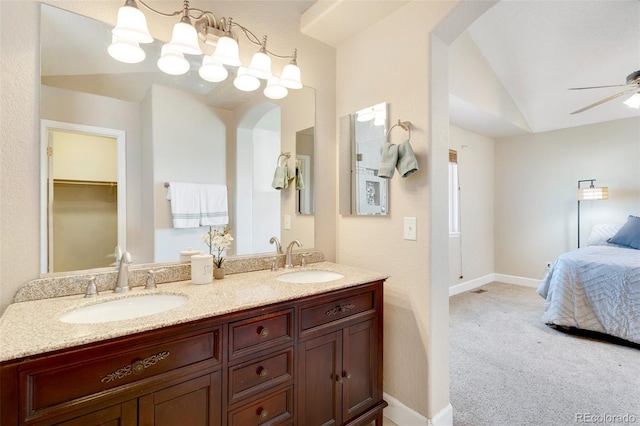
{"x": 122, "y": 285}
{"x": 288, "y": 263}
{"x": 276, "y": 241}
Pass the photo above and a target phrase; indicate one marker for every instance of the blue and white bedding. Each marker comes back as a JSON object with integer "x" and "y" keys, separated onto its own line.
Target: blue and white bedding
{"x": 595, "y": 288}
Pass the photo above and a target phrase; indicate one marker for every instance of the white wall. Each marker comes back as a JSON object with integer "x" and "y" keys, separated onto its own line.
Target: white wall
{"x": 536, "y": 178}
{"x": 476, "y": 239}
{"x": 184, "y": 152}
{"x": 394, "y": 53}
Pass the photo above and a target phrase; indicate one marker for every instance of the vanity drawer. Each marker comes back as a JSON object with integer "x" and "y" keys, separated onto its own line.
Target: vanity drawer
{"x": 84, "y": 373}
{"x": 341, "y": 308}
{"x": 259, "y": 333}
{"x": 254, "y": 376}
{"x": 275, "y": 408}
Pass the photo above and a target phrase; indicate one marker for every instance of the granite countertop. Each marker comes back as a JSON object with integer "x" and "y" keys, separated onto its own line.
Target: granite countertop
{"x": 30, "y": 328}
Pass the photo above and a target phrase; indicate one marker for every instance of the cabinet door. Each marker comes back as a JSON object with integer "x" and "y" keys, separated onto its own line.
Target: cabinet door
{"x": 196, "y": 402}
{"x": 359, "y": 368}
{"x": 319, "y": 393}
{"x": 125, "y": 414}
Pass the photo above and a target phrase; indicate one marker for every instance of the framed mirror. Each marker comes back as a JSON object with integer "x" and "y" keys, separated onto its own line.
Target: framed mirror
{"x": 370, "y": 193}
{"x": 176, "y": 128}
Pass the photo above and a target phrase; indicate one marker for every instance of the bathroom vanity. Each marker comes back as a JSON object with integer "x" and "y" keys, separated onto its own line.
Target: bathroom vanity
{"x": 247, "y": 350}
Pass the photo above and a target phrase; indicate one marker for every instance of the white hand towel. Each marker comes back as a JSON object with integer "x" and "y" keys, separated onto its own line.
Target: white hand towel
{"x": 185, "y": 204}
{"x": 213, "y": 205}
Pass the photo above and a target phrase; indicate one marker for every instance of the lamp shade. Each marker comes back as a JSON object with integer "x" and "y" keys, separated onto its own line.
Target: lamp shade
{"x": 212, "y": 70}
{"x": 633, "y": 101}
{"x": 275, "y": 90}
{"x": 172, "y": 61}
{"x": 227, "y": 52}
{"x": 185, "y": 39}
{"x": 290, "y": 77}
{"x": 245, "y": 82}
{"x": 260, "y": 66}
{"x": 125, "y": 51}
{"x": 131, "y": 25}
{"x": 593, "y": 193}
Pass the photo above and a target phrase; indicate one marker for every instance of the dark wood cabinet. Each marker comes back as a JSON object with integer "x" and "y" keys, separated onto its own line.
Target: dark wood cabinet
{"x": 338, "y": 378}
{"x": 310, "y": 361}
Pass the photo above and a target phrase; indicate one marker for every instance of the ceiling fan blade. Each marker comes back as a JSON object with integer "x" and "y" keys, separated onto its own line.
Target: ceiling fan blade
{"x": 617, "y": 95}
{"x": 600, "y": 87}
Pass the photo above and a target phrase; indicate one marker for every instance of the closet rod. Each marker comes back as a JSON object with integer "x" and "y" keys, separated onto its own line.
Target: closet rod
{"x": 85, "y": 182}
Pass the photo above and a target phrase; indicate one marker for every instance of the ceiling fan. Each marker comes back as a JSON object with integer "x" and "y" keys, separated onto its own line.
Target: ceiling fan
{"x": 633, "y": 81}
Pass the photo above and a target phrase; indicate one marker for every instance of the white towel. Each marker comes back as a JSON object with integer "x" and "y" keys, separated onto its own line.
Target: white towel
{"x": 185, "y": 204}
{"x": 213, "y": 205}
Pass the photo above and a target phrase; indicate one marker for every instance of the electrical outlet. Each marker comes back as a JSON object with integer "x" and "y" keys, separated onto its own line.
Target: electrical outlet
{"x": 287, "y": 221}
{"x": 548, "y": 265}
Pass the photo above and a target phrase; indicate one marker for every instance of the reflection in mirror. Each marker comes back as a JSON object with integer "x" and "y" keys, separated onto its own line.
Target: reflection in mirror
{"x": 83, "y": 196}
{"x": 178, "y": 128}
{"x": 305, "y": 202}
{"x": 369, "y": 191}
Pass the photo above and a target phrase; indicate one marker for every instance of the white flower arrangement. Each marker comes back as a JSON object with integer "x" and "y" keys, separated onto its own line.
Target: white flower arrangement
{"x": 218, "y": 240}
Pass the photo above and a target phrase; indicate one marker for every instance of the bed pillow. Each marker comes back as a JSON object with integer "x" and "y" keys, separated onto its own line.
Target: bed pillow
{"x": 601, "y": 233}
{"x": 629, "y": 234}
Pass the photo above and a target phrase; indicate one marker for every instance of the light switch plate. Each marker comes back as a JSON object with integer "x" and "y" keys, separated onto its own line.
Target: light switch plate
{"x": 287, "y": 221}
{"x": 410, "y": 232}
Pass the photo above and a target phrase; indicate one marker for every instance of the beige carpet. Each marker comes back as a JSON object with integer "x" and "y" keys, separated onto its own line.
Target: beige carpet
{"x": 509, "y": 369}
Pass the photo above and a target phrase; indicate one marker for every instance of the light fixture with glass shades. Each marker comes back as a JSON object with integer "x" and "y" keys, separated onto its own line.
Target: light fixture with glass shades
{"x": 199, "y": 32}
{"x": 633, "y": 101}
{"x": 592, "y": 193}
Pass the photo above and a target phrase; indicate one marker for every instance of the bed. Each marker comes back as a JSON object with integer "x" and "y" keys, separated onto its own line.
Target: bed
{"x": 596, "y": 288}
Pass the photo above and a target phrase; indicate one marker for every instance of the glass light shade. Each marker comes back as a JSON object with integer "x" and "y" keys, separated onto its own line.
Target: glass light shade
{"x": 290, "y": 77}
{"x": 185, "y": 39}
{"x": 172, "y": 62}
{"x": 245, "y": 81}
{"x": 212, "y": 70}
{"x": 260, "y": 66}
{"x": 125, "y": 51}
{"x": 132, "y": 25}
{"x": 275, "y": 90}
{"x": 593, "y": 193}
{"x": 633, "y": 101}
{"x": 227, "y": 52}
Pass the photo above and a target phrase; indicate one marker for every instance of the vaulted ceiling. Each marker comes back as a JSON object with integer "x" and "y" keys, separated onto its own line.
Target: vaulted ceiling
{"x": 537, "y": 49}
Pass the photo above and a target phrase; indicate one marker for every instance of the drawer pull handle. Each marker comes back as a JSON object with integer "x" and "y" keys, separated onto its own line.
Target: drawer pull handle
{"x": 263, "y": 413}
{"x": 263, "y": 331}
{"x": 263, "y": 372}
{"x": 136, "y": 367}
{"x": 340, "y": 309}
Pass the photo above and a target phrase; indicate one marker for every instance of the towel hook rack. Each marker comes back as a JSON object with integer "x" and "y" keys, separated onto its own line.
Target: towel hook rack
{"x": 406, "y": 125}
{"x": 284, "y": 154}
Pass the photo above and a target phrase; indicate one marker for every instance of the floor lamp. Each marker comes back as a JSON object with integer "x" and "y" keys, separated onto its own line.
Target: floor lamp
{"x": 591, "y": 193}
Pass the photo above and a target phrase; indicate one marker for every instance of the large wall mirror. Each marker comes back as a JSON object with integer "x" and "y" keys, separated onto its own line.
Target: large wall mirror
{"x": 163, "y": 129}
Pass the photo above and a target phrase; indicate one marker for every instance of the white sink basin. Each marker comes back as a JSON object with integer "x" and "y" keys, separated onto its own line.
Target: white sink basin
{"x": 122, "y": 309}
{"x": 309, "y": 277}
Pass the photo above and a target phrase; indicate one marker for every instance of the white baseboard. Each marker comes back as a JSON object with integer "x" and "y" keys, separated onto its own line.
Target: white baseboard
{"x": 512, "y": 279}
{"x": 479, "y": 282}
{"x": 443, "y": 418}
{"x": 471, "y": 284}
{"x": 402, "y": 415}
